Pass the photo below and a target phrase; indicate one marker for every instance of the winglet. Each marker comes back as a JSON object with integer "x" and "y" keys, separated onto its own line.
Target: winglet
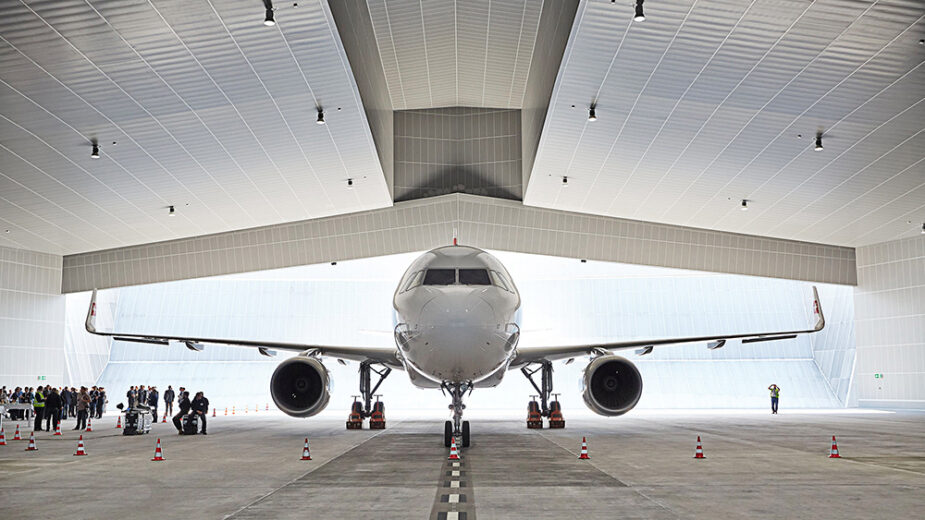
{"x": 817, "y": 310}
{"x": 91, "y": 314}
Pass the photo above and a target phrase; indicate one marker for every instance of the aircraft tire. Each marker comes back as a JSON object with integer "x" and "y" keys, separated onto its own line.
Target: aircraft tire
{"x": 447, "y": 433}
{"x": 465, "y": 434}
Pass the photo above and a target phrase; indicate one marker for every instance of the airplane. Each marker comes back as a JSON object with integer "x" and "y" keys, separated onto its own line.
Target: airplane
{"x": 457, "y": 314}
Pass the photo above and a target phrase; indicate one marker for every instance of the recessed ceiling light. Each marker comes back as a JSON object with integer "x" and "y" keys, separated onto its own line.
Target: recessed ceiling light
{"x": 640, "y": 16}
{"x": 95, "y": 153}
{"x": 269, "y": 21}
{"x": 7, "y": 231}
{"x": 592, "y": 114}
{"x": 349, "y": 184}
{"x": 171, "y": 212}
{"x": 744, "y": 204}
{"x": 564, "y": 181}
{"x": 320, "y": 119}
{"x": 818, "y": 146}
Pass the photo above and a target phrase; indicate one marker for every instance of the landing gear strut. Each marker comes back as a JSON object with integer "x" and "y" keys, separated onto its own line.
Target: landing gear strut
{"x": 545, "y": 408}
{"x": 360, "y": 411}
{"x": 457, "y": 427}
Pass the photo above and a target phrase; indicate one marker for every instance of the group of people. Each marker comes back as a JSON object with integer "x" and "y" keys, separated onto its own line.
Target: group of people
{"x": 147, "y": 397}
{"x": 54, "y": 405}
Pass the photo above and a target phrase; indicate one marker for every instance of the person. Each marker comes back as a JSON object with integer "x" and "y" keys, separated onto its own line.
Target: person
{"x": 53, "y": 404}
{"x": 775, "y": 396}
{"x": 168, "y": 400}
{"x": 83, "y": 408}
{"x": 72, "y": 404}
{"x": 141, "y": 395}
{"x": 130, "y": 397}
{"x": 38, "y": 406}
{"x": 152, "y": 401}
{"x": 184, "y": 406}
{"x": 65, "y": 395}
{"x": 200, "y": 406}
{"x": 101, "y": 406}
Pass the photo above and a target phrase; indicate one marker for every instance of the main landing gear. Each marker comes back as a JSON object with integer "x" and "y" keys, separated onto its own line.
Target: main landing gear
{"x": 536, "y": 411}
{"x": 457, "y": 427}
{"x": 361, "y": 410}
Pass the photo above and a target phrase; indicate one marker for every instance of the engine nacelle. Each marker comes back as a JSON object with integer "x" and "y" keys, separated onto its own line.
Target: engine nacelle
{"x": 301, "y": 386}
{"x": 611, "y": 385}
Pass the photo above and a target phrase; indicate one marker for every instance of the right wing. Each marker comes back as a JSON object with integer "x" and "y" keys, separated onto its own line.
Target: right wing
{"x": 386, "y": 356}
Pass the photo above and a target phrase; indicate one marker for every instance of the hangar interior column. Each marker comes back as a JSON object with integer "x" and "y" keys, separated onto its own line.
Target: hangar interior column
{"x": 890, "y": 320}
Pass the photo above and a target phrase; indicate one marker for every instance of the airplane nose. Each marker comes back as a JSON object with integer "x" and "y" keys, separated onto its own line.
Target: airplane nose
{"x": 452, "y": 311}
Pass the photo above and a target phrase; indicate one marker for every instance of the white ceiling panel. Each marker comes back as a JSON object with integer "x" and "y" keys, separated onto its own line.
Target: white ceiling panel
{"x": 209, "y": 110}
{"x": 702, "y": 105}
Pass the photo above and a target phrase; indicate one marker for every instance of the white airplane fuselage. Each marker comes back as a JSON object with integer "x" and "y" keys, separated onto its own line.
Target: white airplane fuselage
{"x": 457, "y": 316}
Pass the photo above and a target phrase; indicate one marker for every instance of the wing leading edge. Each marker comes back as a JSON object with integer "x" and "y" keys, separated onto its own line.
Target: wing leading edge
{"x": 376, "y": 354}
{"x": 534, "y": 354}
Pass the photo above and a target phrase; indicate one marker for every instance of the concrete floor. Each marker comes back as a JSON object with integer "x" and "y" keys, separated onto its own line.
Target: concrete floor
{"x": 642, "y": 466}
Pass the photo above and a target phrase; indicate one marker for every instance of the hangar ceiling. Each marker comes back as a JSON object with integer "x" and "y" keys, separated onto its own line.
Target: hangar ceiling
{"x": 698, "y": 107}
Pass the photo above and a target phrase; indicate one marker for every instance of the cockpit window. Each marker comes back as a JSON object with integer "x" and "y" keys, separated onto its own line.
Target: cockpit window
{"x": 498, "y": 280}
{"x": 474, "y": 277}
{"x": 440, "y": 277}
{"x": 414, "y": 281}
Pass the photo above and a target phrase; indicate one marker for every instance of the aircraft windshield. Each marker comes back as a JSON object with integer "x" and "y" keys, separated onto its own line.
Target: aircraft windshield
{"x": 474, "y": 277}
{"x": 440, "y": 277}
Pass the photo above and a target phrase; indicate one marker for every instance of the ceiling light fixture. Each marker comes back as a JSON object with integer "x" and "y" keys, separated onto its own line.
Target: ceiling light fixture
{"x": 744, "y": 204}
{"x": 818, "y": 146}
{"x": 171, "y": 212}
{"x": 95, "y": 153}
{"x": 269, "y": 21}
{"x": 640, "y": 16}
{"x": 320, "y": 119}
{"x": 564, "y": 181}
{"x": 592, "y": 115}
{"x": 349, "y": 184}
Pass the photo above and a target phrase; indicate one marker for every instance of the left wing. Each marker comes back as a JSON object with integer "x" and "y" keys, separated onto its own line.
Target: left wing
{"x": 376, "y": 354}
{"x": 535, "y": 354}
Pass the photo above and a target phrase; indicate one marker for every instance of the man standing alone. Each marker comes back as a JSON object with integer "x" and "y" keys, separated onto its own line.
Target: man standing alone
{"x": 775, "y": 395}
{"x": 168, "y": 400}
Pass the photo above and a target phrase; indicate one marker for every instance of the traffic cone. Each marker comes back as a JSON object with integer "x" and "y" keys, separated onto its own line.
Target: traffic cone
{"x": 2, "y": 438}
{"x": 268, "y": 408}
{"x": 58, "y": 429}
{"x": 232, "y": 410}
{"x": 256, "y": 408}
{"x": 454, "y": 453}
{"x": 158, "y": 454}
{"x": 584, "y": 449}
{"x": 32, "y": 443}
{"x": 165, "y": 418}
{"x": 80, "y": 447}
{"x": 89, "y": 425}
{"x": 698, "y": 453}
{"x": 226, "y": 410}
{"x": 306, "y": 453}
{"x": 119, "y": 422}
{"x": 833, "y": 453}
{"x": 213, "y": 412}
{"x": 17, "y": 436}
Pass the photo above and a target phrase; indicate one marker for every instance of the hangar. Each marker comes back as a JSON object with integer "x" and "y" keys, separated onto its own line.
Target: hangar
{"x": 317, "y": 212}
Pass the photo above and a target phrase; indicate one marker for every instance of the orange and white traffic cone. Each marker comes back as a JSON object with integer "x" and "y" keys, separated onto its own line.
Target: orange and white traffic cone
{"x": 232, "y": 410}
{"x": 80, "y": 447}
{"x": 584, "y": 449}
{"x": 158, "y": 453}
{"x": 165, "y": 418}
{"x": 89, "y": 425}
{"x": 267, "y": 408}
{"x": 454, "y": 453}
{"x": 306, "y": 453}
{"x": 17, "y": 436}
{"x": 226, "y": 410}
{"x": 58, "y": 429}
{"x": 2, "y": 438}
{"x": 833, "y": 453}
{"x": 119, "y": 422}
{"x": 256, "y": 408}
{"x": 698, "y": 453}
{"x": 32, "y": 443}
{"x": 213, "y": 412}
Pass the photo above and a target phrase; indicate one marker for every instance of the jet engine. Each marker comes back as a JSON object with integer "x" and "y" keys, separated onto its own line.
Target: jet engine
{"x": 611, "y": 385}
{"x": 301, "y": 386}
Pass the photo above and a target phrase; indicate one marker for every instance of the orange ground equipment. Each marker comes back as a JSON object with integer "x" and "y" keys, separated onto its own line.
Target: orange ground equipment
{"x": 454, "y": 453}
{"x": 833, "y": 452}
{"x": 80, "y": 447}
{"x": 355, "y": 420}
{"x": 534, "y": 418}
{"x": 698, "y": 453}
{"x": 306, "y": 453}
{"x": 158, "y": 453}
{"x": 31, "y": 446}
{"x": 584, "y": 449}
{"x": 556, "y": 420}
{"x": 377, "y": 418}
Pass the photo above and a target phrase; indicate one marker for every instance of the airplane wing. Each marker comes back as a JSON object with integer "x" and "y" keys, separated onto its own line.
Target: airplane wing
{"x": 535, "y": 354}
{"x": 267, "y": 348}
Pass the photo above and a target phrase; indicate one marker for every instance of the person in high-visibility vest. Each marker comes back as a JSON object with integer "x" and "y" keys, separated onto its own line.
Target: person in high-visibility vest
{"x": 775, "y": 396}
{"x": 38, "y": 405}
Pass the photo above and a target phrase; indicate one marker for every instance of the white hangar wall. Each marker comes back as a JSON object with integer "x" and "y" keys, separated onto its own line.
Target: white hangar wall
{"x": 565, "y": 301}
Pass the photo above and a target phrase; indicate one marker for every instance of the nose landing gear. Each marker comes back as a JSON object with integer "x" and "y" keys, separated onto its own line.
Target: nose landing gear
{"x": 545, "y": 408}
{"x": 361, "y": 410}
{"x": 457, "y": 427}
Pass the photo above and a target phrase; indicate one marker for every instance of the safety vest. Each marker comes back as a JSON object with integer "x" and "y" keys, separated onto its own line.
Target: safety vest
{"x": 39, "y": 400}
{"x": 775, "y": 392}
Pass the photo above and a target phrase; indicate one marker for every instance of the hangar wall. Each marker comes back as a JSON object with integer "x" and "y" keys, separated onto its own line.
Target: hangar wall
{"x": 890, "y": 321}
{"x": 31, "y": 318}
{"x": 482, "y": 222}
